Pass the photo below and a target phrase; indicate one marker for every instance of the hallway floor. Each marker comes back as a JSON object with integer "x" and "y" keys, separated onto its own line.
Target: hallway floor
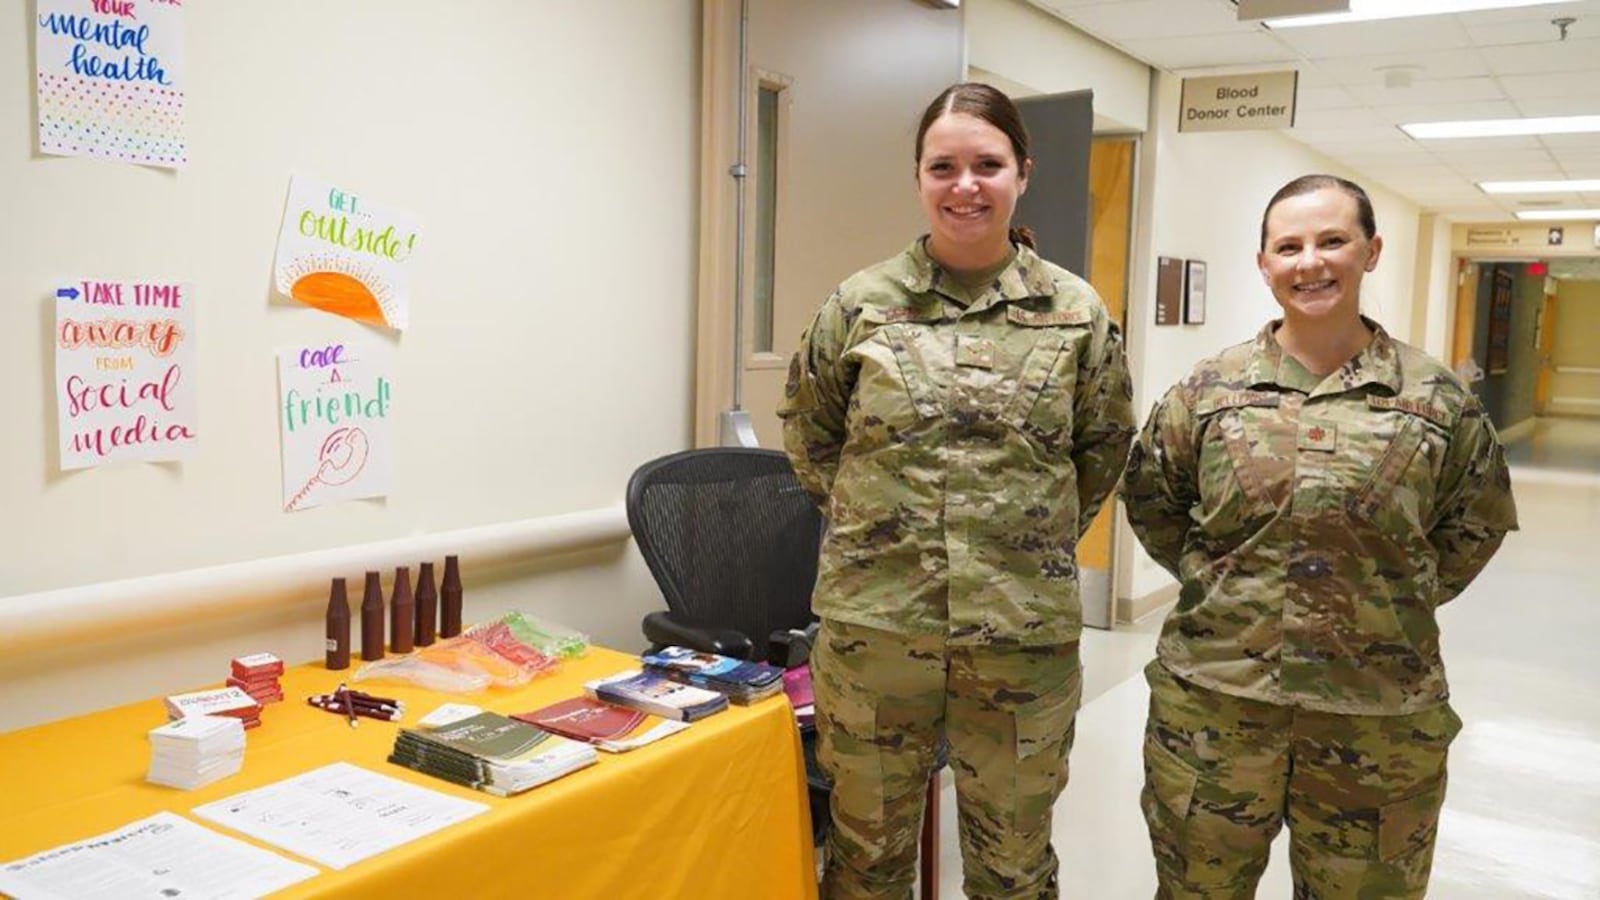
{"x": 1522, "y": 815}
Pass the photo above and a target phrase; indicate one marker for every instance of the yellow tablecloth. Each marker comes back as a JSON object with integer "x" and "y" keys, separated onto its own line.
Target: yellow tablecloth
{"x": 717, "y": 811}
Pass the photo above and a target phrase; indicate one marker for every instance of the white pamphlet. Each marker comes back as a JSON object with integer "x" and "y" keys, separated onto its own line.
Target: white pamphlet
{"x": 339, "y": 814}
{"x": 160, "y": 857}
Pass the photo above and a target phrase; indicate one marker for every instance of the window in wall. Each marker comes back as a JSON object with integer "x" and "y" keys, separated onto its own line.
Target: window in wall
{"x": 768, "y": 139}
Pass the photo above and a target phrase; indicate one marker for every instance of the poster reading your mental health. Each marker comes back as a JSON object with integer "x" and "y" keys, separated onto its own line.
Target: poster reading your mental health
{"x": 345, "y": 254}
{"x": 110, "y": 80}
{"x": 124, "y": 354}
{"x": 334, "y": 401}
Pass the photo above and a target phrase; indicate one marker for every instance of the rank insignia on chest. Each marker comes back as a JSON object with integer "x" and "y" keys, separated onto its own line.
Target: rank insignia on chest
{"x": 974, "y": 352}
{"x": 1318, "y": 437}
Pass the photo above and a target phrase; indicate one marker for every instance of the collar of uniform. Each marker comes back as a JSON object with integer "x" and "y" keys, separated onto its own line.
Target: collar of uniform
{"x": 1377, "y": 364}
{"x": 1024, "y": 278}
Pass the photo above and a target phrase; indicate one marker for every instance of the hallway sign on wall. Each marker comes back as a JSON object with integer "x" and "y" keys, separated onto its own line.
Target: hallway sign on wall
{"x": 110, "y": 80}
{"x": 1259, "y": 101}
{"x": 122, "y": 349}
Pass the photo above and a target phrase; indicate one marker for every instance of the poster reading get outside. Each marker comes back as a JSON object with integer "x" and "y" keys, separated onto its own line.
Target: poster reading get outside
{"x": 110, "y": 80}
{"x": 334, "y": 401}
{"x": 124, "y": 351}
{"x": 345, "y": 254}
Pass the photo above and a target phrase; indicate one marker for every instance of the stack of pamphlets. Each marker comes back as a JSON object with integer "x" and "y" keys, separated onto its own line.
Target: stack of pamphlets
{"x": 257, "y": 675}
{"x": 228, "y": 701}
{"x": 614, "y": 729}
{"x": 195, "y": 750}
{"x": 743, "y": 682}
{"x": 657, "y": 695}
{"x": 491, "y": 752}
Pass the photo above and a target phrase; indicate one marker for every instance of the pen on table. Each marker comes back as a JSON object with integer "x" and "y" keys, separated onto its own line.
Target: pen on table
{"x": 349, "y": 707}
{"x": 369, "y": 712}
{"x": 358, "y": 701}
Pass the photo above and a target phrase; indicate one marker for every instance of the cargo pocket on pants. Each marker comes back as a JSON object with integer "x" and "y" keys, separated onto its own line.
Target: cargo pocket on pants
{"x": 1045, "y": 730}
{"x": 1170, "y": 781}
{"x": 1409, "y": 825}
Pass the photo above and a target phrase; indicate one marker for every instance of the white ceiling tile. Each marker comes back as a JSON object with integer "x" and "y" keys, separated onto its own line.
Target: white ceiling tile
{"x": 1360, "y": 157}
{"x": 1447, "y": 112}
{"x": 1365, "y": 68}
{"x": 1543, "y": 12}
{"x": 1534, "y": 59}
{"x": 1562, "y": 106}
{"x": 1445, "y": 91}
{"x": 1330, "y": 97}
{"x": 1537, "y": 30}
{"x": 1146, "y": 19}
{"x": 1250, "y": 48}
{"x": 1355, "y": 117}
{"x": 1479, "y": 146}
{"x": 1575, "y": 143}
{"x": 1543, "y": 87}
{"x": 1370, "y": 38}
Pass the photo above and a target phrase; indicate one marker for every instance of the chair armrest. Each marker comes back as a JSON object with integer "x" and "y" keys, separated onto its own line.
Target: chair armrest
{"x": 660, "y": 628}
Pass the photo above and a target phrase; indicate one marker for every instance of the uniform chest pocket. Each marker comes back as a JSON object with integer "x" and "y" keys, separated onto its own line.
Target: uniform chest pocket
{"x": 1046, "y": 379}
{"x": 1406, "y": 447}
{"x": 893, "y": 386}
{"x": 1246, "y": 459}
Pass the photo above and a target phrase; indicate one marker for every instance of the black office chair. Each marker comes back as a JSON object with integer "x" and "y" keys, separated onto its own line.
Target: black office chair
{"x": 732, "y": 540}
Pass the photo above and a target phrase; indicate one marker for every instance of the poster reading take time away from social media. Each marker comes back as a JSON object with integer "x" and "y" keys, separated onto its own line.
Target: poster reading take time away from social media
{"x": 125, "y": 389}
{"x": 344, "y": 253}
{"x": 110, "y": 80}
{"x": 334, "y": 401}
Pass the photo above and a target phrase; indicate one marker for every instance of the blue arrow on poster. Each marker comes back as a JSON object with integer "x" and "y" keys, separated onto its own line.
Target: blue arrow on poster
{"x": 69, "y": 293}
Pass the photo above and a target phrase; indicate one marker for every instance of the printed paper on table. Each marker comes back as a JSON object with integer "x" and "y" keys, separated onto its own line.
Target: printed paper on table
{"x": 334, "y": 402}
{"x": 110, "y": 80}
{"x": 342, "y": 253}
{"x": 125, "y": 386}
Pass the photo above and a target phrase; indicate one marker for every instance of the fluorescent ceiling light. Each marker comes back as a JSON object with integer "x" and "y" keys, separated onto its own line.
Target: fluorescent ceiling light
{"x": 1368, "y": 10}
{"x": 1503, "y": 127}
{"x": 1540, "y": 187}
{"x": 1558, "y": 215}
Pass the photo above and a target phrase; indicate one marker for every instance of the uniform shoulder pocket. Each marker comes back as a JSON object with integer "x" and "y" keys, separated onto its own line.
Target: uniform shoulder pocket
{"x": 799, "y": 390}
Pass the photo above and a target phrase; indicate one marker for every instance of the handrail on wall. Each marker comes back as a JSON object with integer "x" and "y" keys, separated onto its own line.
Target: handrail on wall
{"x": 194, "y": 595}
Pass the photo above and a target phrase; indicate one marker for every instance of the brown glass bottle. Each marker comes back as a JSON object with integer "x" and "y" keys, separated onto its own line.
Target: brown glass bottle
{"x": 338, "y": 626}
{"x": 427, "y": 603}
{"x": 372, "y": 618}
{"x": 450, "y": 599}
{"x": 402, "y": 618}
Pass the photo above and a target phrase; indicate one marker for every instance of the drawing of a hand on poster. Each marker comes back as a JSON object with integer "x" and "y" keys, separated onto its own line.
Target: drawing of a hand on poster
{"x": 335, "y": 401}
{"x": 110, "y": 80}
{"x": 341, "y": 253}
{"x": 122, "y": 350}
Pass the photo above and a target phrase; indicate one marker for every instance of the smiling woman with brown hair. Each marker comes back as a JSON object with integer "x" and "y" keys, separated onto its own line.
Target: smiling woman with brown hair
{"x": 1318, "y": 492}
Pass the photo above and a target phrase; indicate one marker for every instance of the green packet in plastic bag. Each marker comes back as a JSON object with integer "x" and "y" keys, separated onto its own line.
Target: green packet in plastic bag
{"x": 556, "y": 640}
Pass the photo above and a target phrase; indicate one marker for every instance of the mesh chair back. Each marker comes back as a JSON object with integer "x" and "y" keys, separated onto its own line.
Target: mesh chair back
{"x": 731, "y": 538}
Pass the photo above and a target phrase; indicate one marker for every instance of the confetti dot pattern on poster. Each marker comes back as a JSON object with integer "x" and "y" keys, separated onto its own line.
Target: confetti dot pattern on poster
{"x": 110, "y": 120}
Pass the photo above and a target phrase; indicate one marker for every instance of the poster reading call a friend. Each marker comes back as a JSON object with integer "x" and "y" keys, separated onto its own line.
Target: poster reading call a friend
{"x": 334, "y": 401}
{"x": 124, "y": 362}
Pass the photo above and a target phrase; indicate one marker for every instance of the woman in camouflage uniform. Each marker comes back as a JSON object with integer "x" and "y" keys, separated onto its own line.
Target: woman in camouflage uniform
{"x": 1318, "y": 492}
{"x": 960, "y": 412}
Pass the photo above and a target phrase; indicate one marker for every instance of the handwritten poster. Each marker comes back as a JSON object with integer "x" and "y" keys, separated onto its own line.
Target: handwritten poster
{"x": 124, "y": 358}
{"x": 342, "y": 253}
{"x": 110, "y": 80}
{"x": 334, "y": 406}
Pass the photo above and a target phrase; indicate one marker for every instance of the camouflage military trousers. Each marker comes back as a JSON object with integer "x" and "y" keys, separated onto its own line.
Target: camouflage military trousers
{"x": 1007, "y": 713}
{"x": 1361, "y": 794}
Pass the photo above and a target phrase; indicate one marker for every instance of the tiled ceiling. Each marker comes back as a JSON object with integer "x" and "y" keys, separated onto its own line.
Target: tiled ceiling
{"x": 1481, "y": 65}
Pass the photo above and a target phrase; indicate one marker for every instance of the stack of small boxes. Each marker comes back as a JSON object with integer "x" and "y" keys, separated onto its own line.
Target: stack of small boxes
{"x": 257, "y": 675}
{"x": 228, "y": 701}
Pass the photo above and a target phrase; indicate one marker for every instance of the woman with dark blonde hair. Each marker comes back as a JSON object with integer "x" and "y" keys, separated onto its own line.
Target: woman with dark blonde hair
{"x": 960, "y": 412}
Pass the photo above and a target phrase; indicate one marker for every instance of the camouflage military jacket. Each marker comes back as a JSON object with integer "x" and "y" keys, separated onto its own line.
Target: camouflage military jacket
{"x": 958, "y": 450}
{"x": 1315, "y": 524}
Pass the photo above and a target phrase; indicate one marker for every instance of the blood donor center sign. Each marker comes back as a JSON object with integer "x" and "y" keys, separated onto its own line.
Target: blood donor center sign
{"x": 124, "y": 351}
{"x": 1255, "y": 102}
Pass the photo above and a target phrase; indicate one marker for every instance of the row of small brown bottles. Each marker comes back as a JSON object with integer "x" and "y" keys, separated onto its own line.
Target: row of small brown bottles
{"x": 412, "y": 617}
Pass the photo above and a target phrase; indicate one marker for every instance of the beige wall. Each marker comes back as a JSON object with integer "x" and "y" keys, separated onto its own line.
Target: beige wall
{"x": 1038, "y": 53}
{"x": 549, "y": 151}
{"x": 1577, "y": 347}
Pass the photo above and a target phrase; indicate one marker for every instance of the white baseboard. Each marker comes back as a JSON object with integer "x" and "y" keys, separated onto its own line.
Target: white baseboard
{"x": 1132, "y": 609}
